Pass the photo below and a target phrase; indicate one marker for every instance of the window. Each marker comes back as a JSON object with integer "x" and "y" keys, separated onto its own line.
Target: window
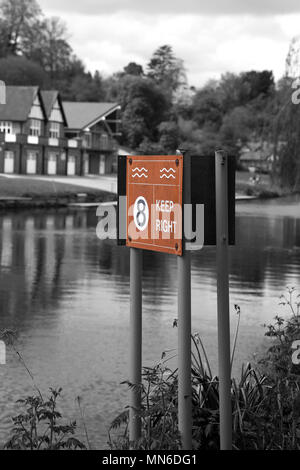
{"x": 6, "y": 126}
{"x": 31, "y": 162}
{"x": 9, "y": 158}
{"x": 54, "y": 130}
{"x": 35, "y": 127}
{"x": 87, "y": 140}
{"x": 86, "y": 161}
{"x": 16, "y": 128}
{"x": 52, "y": 157}
{"x": 104, "y": 140}
{"x": 52, "y": 163}
{"x": 71, "y": 168}
{"x": 9, "y": 155}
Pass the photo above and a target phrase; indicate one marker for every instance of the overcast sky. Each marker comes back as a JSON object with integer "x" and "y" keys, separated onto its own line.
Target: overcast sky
{"x": 212, "y": 36}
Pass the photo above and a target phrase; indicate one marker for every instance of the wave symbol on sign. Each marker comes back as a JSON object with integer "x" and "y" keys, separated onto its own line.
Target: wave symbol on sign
{"x": 164, "y": 173}
{"x": 139, "y": 172}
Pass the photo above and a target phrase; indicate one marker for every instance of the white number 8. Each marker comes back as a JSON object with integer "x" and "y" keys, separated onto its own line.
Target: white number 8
{"x": 141, "y": 213}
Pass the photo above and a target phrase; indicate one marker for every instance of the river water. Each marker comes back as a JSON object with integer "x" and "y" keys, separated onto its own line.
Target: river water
{"x": 67, "y": 295}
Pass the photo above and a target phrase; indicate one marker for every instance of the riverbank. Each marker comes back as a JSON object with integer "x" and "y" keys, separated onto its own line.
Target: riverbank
{"x": 30, "y": 192}
{"x": 36, "y": 191}
{"x": 256, "y": 186}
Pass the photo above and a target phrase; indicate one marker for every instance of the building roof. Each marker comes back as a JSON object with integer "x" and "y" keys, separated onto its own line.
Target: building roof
{"x": 49, "y": 98}
{"x": 82, "y": 115}
{"x": 19, "y": 100}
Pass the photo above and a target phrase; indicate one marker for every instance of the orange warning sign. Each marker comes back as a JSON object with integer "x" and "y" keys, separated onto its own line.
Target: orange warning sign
{"x": 154, "y": 203}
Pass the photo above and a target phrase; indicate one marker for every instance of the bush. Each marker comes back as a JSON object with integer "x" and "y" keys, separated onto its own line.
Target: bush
{"x": 284, "y": 331}
{"x": 40, "y": 427}
{"x": 265, "y": 400}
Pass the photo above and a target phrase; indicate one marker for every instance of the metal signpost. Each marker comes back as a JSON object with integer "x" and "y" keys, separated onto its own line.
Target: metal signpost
{"x": 135, "y": 340}
{"x": 156, "y": 190}
{"x": 221, "y": 162}
{"x": 184, "y": 328}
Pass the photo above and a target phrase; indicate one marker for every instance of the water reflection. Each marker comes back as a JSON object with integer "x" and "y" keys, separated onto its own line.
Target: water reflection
{"x": 67, "y": 293}
{"x": 42, "y": 254}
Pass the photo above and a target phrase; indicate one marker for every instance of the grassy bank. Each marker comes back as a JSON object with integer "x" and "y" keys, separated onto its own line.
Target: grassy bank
{"x": 42, "y": 193}
{"x": 37, "y": 193}
{"x": 262, "y": 188}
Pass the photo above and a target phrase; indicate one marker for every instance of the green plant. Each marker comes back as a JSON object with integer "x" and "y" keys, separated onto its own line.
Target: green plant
{"x": 284, "y": 331}
{"x": 10, "y": 338}
{"x": 158, "y": 413}
{"x": 159, "y": 404}
{"x": 265, "y": 406}
{"x": 40, "y": 426}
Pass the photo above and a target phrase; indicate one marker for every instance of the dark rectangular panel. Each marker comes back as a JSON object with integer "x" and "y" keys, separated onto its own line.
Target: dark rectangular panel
{"x": 204, "y": 192}
{"x": 121, "y": 192}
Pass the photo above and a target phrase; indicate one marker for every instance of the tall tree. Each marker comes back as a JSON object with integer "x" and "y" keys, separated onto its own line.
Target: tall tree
{"x": 237, "y": 128}
{"x": 286, "y": 137}
{"x": 134, "y": 69}
{"x": 169, "y": 137}
{"x": 21, "y": 71}
{"x": 17, "y": 18}
{"x": 292, "y": 62}
{"x": 286, "y": 122}
{"x": 255, "y": 84}
{"x": 144, "y": 107}
{"x": 83, "y": 87}
{"x": 207, "y": 107}
{"x": 228, "y": 89}
{"x": 166, "y": 69}
{"x": 47, "y": 45}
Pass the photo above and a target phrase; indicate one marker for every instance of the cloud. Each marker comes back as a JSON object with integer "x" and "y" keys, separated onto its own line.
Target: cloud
{"x": 109, "y": 42}
{"x": 158, "y": 7}
{"x": 107, "y": 38}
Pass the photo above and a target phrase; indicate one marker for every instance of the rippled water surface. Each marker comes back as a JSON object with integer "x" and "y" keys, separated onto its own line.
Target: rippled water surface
{"x": 67, "y": 294}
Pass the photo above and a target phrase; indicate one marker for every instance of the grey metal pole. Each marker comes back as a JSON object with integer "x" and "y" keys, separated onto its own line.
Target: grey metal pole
{"x": 221, "y": 166}
{"x": 136, "y": 260}
{"x": 184, "y": 329}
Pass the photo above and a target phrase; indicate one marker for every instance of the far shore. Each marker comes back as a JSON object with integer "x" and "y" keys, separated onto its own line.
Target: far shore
{"x": 30, "y": 192}
{"x": 26, "y": 192}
